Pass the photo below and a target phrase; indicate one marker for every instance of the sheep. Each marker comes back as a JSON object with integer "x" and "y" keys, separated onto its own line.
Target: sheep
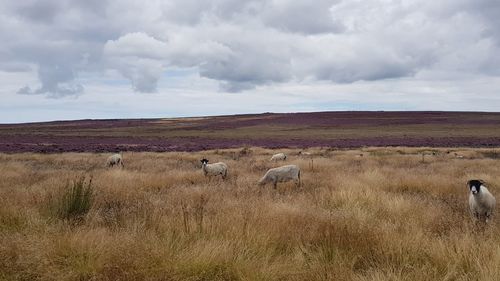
{"x": 305, "y": 154}
{"x": 278, "y": 157}
{"x": 115, "y": 159}
{"x": 214, "y": 169}
{"x": 281, "y": 174}
{"x": 310, "y": 156}
{"x": 481, "y": 202}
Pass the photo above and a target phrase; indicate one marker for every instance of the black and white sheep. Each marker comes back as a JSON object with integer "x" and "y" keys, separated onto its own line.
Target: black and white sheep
{"x": 115, "y": 159}
{"x": 281, "y": 174}
{"x": 214, "y": 169}
{"x": 278, "y": 157}
{"x": 481, "y": 202}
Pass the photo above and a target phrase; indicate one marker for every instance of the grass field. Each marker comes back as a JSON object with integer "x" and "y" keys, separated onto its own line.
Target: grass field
{"x": 385, "y": 215}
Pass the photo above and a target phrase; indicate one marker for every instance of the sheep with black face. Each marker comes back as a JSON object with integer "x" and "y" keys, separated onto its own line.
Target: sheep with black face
{"x": 214, "y": 169}
{"x": 481, "y": 201}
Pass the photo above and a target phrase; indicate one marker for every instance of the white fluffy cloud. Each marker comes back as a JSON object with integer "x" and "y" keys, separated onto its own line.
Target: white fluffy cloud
{"x": 244, "y": 45}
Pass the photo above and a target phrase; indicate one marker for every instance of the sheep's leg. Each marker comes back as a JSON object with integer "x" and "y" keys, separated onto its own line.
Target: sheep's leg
{"x": 275, "y": 185}
{"x": 487, "y": 217}
{"x": 475, "y": 217}
{"x": 297, "y": 184}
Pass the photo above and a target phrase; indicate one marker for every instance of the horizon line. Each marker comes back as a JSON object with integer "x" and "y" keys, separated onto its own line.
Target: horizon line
{"x": 246, "y": 114}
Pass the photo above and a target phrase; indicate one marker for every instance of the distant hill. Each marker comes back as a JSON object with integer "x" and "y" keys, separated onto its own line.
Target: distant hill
{"x": 272, "y": 130}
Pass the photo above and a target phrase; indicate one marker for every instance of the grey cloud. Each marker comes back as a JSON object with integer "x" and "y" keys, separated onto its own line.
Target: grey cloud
{"x": 52, "y": 11}
{"x": 58, "y": 65}
{"x": 15, "y": 67}
{"x": 194, "y": 12}
{"x": 51, "y": 35}
{"x": 247, "y": 69}
{"x": 245, "y": 44}
{"x": 185, "y": 12}
{"x": 139, "y": 58}
{"x": 74, "y": 40}
{"x": 236, "y": 87}
{"x": 302, "y": 17}
{"x": 57, "y": 81}
{"x": 289, "y": 16}
{"x": 488, "y": 11}
{"x": 39, "y": 11}
{"x": 142, "y": 73}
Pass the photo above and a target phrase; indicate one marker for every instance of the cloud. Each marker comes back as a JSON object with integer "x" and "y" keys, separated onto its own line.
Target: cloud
{"x": 302, "y": 17}
{"x": 42, "y": 12}
{"x": 243, "y": 45}
{"x": 57, "y": 81}
{"x": 138, "y": 57}
{"x": 46, "y": 36}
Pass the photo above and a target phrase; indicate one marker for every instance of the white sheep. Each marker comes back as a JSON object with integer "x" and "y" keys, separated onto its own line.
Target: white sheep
{"x": 481, "y": 202}
{"x": 115, "y": 159}
{"x": 281, "y": 174}
{"x": 278, "y": 157}
{"x": 214, "y": 169}
{"x": 305, "y": 154}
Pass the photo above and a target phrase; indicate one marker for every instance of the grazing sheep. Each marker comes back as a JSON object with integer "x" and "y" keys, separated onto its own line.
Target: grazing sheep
{"x": 481, "y": 202}
{"x": 305, "y": 154}
{"x": 310, "y": 156}
{"x": 278, "y": 157}
{"x": 214, "y": 169}
{"x": 281, "y": 174}
{"x": 115, "y": 159}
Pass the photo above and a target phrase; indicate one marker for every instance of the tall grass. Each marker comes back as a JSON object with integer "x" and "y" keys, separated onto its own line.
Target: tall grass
{"x": 75, "y": 201}
{"x": 385, "y": 215}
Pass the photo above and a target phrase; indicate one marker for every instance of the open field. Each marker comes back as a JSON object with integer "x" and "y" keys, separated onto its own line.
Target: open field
{"x": 385, "y": 215}
{"x": 319, "y": 129}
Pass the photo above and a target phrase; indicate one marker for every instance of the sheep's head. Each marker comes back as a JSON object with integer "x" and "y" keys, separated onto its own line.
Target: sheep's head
{"x": 475, "y": 185}
{"x": 263, "y": 181}
{"x": 204, "y": 161}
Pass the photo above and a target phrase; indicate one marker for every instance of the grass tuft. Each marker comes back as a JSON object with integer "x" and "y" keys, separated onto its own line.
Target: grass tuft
{"x": 76, "y": 200}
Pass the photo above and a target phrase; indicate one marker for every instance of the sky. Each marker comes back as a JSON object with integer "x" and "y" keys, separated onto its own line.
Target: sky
{"x": 64, "y": 60}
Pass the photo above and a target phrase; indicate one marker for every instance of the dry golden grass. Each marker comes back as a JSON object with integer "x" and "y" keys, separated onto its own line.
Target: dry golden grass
{"x": 385, "y": 215}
